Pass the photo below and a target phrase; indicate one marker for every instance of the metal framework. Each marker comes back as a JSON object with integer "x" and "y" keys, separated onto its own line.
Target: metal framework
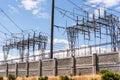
{"x": 94, "y": 26}
{"x": 36, "y": 41}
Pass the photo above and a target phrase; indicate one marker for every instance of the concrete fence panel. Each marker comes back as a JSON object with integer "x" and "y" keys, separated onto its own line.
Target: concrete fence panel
{"x": 48, "y": 67}
{"x": 12, "y": 69}
{"x": 22, "y": 69}
{"x": 3, "y": 69}
{"x": 64, "y": 66}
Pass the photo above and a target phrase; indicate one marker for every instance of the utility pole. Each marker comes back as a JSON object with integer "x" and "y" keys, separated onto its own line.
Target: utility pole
{"x": 52, "y": 30}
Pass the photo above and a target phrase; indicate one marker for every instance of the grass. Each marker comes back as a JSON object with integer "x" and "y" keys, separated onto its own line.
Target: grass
{"x": 87, "y": 77}
{"x": 83, "y": 77}
{"x": 27, "y": 78}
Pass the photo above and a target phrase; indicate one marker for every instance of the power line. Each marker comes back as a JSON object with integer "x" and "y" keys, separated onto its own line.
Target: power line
{"x": 4, "y": 27}
{"x": 4, "y": 33}
{"x": 2, "y": 38}
{"x": 69, "y": 11}
{"x": 101, "y": 6}
{"x": 11, "y": 19}
{"x": 91, "y": 7}
{"x": 77, "y": 6}
{"x": 60, "y": 27}
{"x": 64, "y": 12}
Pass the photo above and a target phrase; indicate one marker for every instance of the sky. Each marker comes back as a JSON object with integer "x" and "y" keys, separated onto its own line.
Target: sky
{"x": 35, "y": 15}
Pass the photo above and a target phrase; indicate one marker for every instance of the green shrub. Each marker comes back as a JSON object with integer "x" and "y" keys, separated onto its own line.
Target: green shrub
{"x": 79, "y": 73}
{"x": 94, "y": 79}
{"x": 64, "y": 77}
{"x": 26, "y": 76}
{"x": 43, "y": 78}
{"x": 110, "y": 76}
{"x": 61, "y": 77}
{"x": 1, "y": 77}
{"x": 11, "y": 77}
{"x": 104, "y": 71}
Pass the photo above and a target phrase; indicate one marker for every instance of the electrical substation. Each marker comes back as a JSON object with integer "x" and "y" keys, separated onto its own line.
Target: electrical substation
{"x": 99, "y": 29}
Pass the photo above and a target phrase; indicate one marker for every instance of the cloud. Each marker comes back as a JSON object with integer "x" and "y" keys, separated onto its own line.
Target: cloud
{"x": 104, "y": 4}
{"x": 40, "y": 14}
{"x": 43, "y": 15}
{"x": 13, "y": 9}
{"x": 9, "y": 56}
{"x": 82, "y": 51}
{"x": 35, "y": 11}
{"x": 96, "y": 12}
{"x": 1, "y": 56}
{"x": 118, "y": 8}
{"x": 94, "y": 1}
{"x": 107, "y": 3}
{"x": 63, "y": 41}
{"x": 31, "y": 4}
{"x": 110, "y": 3}
{"x": 35, "y": 7}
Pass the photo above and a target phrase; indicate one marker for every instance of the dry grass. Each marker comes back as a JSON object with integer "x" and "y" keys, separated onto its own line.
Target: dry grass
{"x": 84, "y": 77}
{"x": 53, "y": 78}
{"x": 4, "y": 78}
{"x": 87, "y": 77}
{"x": 27, "y": 78}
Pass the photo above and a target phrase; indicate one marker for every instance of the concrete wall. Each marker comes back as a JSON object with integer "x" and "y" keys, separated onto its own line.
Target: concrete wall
{"x": 3, "y": 69}
{"x": 22, "y": 69}
{"x": 84, "y": 65}
{"x": 12, "y": 69}
{"x": 34, "y": 68}
{"x": 109, "y": 62}
{"x": 48, "y": 67}
{"x": 66, "y": 66}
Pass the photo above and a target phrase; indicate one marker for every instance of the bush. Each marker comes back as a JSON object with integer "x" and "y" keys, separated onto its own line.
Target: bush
{"x": 26, "y": 76}
{"x": 64, "y": 77}
{"x": 1, "y": 77}
{"x": 104, "y": 71}
{"x": 79, "y": 73}
{"x": 11, "y": 77}
{"x": 110, "y": 76}
{"x": 94, "y": 79}
{"x": 43, "y": 78}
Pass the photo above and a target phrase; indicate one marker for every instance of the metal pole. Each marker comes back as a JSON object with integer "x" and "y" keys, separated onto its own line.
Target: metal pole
{"x": 52, "y": 30}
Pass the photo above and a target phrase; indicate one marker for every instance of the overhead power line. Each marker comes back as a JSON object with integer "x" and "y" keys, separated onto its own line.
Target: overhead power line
{"x": 69, "y": 11}
{"x": 77, "y": 6}
{"x": 2, "y": 38}
{"x": 65, "y": 12}
{"x": 101, "y": 6}
{"x": 4, "y": 33}
{"x": 4, "y": 27}
{"x": 11, "y": 19}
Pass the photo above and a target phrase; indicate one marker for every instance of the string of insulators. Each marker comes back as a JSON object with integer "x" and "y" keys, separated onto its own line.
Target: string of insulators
{"x": 77, "y": 20}
{"x": 28, "y": 41}
{"x": 83, "y": 21}
{"x": 99, "y": 13}
{"x": 93, "y": 17}
{"x": 94, "y": 21}
{"x": 82, "y": 24}
{"x": 105, "y": 14}
{"x": 87, "y": 16}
